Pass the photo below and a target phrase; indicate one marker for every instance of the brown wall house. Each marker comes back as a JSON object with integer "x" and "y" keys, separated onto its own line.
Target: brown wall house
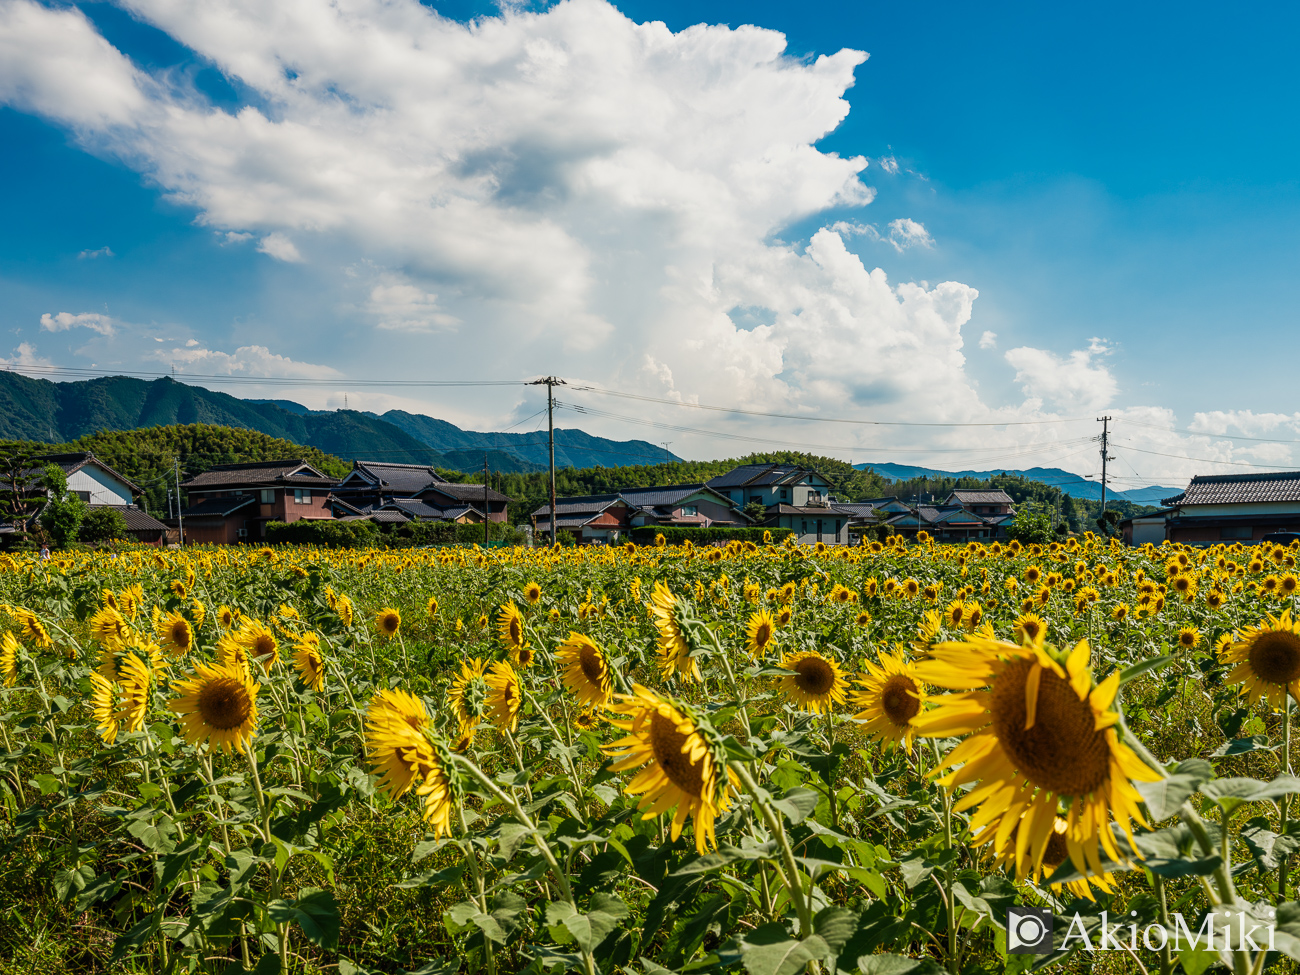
{"x": 234, "y": 502}
{"x": 1226, "y": 508}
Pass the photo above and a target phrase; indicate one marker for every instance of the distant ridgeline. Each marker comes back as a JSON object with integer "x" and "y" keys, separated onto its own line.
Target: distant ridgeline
{"x": 911, "y": 480}
{"x": 40, "y": 410}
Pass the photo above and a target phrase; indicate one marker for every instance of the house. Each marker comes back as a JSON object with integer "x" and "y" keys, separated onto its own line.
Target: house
{"x": 772, "y": 484}
{"x": 868, "y": 514}
{"x": 372, "y": 484}
{"x": 1141, "y": 529}
{"x": 99, "y": 486}
{"x": 595, "y": 518}
{"x": 982, "y": 502}
{"x": 810, "y": 523}
{"x": 1234, "y": 508}
{"x": 684, "y": 506}
{"x": 232, "y": 503}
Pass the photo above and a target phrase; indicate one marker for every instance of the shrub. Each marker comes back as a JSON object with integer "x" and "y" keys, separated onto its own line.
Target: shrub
{"x": 703, "y": 536}
{"x": 102, "y": 525}
{"x": 324, "y": 532}
{"x": 64, "y": 512}
{"x": 446, "y": 532}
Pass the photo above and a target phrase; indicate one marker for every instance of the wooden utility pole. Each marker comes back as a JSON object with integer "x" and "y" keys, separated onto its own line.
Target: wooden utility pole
{"x": 180, "y": 521}
{"x": 486, "y": 518}
{"x": 550, "y": 382}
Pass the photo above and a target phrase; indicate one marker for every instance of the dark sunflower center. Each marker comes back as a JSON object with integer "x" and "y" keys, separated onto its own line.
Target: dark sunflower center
{"x": 593, "y": 668}
{"x": 1062, "y": 752}
{"x": 666, "y": 742}
{"x": 1275, "y": 657}
{"x": 263, "y": 645}
{"x": 763, "y": 633}
{"x": 815, "y": 676}
{"x": 525, "y": 656}
{"x": 896, "y": 699}
{"x": 1057, "y": 851}
{"x": 516, "y": 631}
{"x": 1031, "y": 628}
{"x": 224, "y": 703}
{"x": 181, "y": 634}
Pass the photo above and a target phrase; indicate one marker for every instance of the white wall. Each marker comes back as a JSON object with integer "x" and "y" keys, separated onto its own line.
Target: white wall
{"x": 104, "y": 488}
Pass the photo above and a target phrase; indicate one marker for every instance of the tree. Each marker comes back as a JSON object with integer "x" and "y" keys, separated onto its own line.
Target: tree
{"x": 1032, "y": 523}
{"x": 64, "y": 512}
{"x": 102, "y": 524}
{"x": 756, "y": 511}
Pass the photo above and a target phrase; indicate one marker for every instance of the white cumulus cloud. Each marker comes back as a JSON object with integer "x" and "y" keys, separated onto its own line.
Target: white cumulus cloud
{"x": 1072, "y": 383}
{"x": 247, "y": 360}
{"x": 63, "y": 321}
{"x": 989, "y": 340}
{"x": 279, "y": 246}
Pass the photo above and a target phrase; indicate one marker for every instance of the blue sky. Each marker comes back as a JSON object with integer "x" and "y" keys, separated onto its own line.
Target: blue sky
{"x": 1113, "y": 172}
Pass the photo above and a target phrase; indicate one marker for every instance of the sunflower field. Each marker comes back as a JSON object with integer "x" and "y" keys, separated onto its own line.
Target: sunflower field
{"x": 752, "y": 759}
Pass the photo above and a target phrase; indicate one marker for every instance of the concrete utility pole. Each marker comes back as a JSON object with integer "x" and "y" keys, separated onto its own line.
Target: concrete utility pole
{"x": 486, "y": 517}
{"x": 667, "y": 453}
{"x": 550, "y": 382}
{"x": 180, "y": 521}
{"x": 1105, "y": 456}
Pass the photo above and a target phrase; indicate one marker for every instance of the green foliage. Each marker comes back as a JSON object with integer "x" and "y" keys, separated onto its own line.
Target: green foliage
{"x": 445, "y": 532}
{"x": 64, "y": 512}
{"x": 1032, "y": 523}
{"x": 703, "y": 536}
{"x": 102, "y": 524}
{"x": 324, "y": 532}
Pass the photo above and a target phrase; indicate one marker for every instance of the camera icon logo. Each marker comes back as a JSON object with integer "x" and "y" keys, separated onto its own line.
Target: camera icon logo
{"x": 1029, "y": 931}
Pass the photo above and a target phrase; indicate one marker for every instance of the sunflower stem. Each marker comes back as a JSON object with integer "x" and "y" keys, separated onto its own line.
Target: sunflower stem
{"x": 568, "y": 756}
{"x": 954, "y": 960}
{"x": 478, "y": 892}
{"x": 1166, "y": 953}
{"x": 792, "y": 879}
{"x": 1284, "y": 804}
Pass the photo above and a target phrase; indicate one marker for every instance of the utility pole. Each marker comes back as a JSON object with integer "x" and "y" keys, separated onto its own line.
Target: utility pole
{"x": 486, "y": 517}
{"x": 667, "y": 454}
{"x": 1105, "y": 456}
{"x": 180, "y": 521}
{"x": 550, "y": 382}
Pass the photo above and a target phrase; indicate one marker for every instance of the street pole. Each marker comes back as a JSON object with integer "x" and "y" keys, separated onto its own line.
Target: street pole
{"x": 180, "y": 520}
{"x": 550, "y": 382}
{"x": 485, "y": 500}
{"x": 1105, "y": 451}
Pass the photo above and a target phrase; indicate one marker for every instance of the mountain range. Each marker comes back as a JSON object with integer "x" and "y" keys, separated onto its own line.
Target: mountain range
{"x": 1071, "y": 484}
{"x": 41, "y": 410}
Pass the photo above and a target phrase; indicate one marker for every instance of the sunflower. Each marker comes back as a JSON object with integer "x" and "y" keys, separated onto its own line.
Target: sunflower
{"x": 343, "y": 606}
{"x": 259, "y": 643}
{"x": 1038, "y": 733}
{"x": 103, "y": 705}
{"x": 586, "y": 720}
{"x": 134, "y": 677}
{"x": 911, "y": 587}
{"x": 682, "y": 767}
{"x": 400, "y": 752}
{"x": 309, "y": 662}
{"x": 1288, "y": 584}
{"x": 1267, "y": 658}
{"x": 972, "y": 616}
{"x": 955, "y": 612}
{"x": 109, "y": 627}
{"x": 33, "y": 628}
{"x": 585, "y": 670}
{"x": 174, "y": 633}
{"x": 388, "y": 621}
{"x": 1055, "y": 854}
{"x": 863, "y": 618}
{"x": 532, "y": 593}
{"x": 890, "y": 697}
{"x": 504, "y": 697}
{"x": 1030, "y": 628}
{"x": 179, "y": 589}
{"x": 817, "y": 683}
{"x": 8, "y": 659}
{"x": 1119, "y": 611}
{"x": 432, "y": 607}
{"x": 760, "y": 630}
{"x": 1215, "y": 599}
{"x": 217, "y": 705}
{"x": 1189, "y": 637}
{"x": 225, "y": 617}
{"x": 468, "y": 694}
{"x": 674, "y": 652}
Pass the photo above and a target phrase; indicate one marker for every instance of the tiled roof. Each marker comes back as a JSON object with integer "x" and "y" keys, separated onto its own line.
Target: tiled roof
{"x": 1239, "y": 489}
{"x": 270, "y": 472}
{"x": 136, "y": 520}
{"x": 809, "y": 511}
{"x": 592, "y": 503}
{"x": 467, "y": 492}
{"x": 414, "y": 508}
{"x": 759, "y": 475}
{"x": 399, "y": 478}
{"x": 576, "y": 521}
{"x": 856, "y": 509}
{"x": 667, "y": 496}
{"x": 218, "y": 507}
{"x": 972, "y": 496}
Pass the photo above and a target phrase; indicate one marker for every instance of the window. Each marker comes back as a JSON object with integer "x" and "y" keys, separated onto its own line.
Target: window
{"x": 268, "y": 496}
{"x": 689, "y": 510}
{"x": 302, "y": 495}
{"x": 83, "y": 495}
{"x": 804, "y": 529}
{"x": 1236, "y": 531}
{"x": 785, "y": 494}
{"x": 837, "y": 529}
{"x": 755, "y": 499}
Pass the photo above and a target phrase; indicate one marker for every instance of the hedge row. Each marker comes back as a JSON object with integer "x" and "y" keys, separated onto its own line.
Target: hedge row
{"x": 703, "y": 536}
{"x": 325, "y": 532}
